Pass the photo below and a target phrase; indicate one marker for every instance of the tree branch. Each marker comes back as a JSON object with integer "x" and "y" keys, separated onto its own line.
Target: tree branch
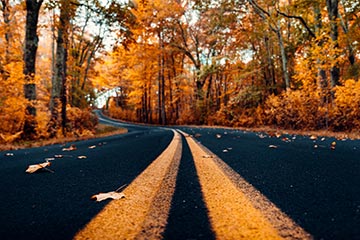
{"x": 298, "y": 18}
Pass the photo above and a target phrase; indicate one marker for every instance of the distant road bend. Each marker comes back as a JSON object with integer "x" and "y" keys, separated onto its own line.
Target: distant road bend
{"x": 177, "y": 188}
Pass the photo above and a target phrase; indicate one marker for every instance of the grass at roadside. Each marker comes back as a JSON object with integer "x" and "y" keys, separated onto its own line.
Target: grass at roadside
{"x": 102, "y": 130}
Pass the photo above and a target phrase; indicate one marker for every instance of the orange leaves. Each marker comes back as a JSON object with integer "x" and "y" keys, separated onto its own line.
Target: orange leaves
{"x": 293, "y": 109}
{"x": 346, "y": 113}
{"x": 9, "y": 138}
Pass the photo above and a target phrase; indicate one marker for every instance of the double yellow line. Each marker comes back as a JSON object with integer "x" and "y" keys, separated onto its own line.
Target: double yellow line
{"x": 229, "y": 199}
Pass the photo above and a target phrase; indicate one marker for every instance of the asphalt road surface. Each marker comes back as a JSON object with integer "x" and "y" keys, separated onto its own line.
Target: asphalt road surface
{"x": 313, "y": 188}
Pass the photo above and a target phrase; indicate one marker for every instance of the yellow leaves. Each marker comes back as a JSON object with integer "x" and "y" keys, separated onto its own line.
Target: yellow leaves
{"x": 346, "y": 112}
{"x": 293, "y": 109}
{"x": 5, "y": 138}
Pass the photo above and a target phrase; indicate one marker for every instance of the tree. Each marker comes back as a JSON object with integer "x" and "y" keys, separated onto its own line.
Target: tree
{"x": 333, "y": 13}
{"x": 31, "y": 45}
{"x": 58, "y": 90}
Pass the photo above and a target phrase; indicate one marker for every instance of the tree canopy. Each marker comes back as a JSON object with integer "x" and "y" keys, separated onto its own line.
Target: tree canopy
{"x": 283, "y": 63}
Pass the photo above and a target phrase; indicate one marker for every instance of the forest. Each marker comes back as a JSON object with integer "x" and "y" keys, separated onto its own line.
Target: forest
{"x": 289, "y": 64}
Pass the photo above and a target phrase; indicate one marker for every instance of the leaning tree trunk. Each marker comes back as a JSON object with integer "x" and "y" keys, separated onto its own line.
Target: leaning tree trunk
{"x": 31, "y": 45}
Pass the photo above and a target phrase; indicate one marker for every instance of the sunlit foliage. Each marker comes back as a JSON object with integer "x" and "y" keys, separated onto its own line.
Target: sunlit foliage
{"x": 290, "y": 64}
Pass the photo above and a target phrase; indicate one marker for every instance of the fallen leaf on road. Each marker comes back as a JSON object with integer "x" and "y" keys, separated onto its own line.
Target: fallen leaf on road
{"x": 197, "y": 135}
{"x": 71, "y": 148}
{"x": 36, "y": 167}
{"x": 262, "y": 136}
{"x": 102, "y": 196}
{"x": 313, "y": 137}
{"x": 273, "y": 146}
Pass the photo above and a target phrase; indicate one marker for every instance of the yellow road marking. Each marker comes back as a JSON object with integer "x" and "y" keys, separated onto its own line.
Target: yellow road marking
{"x": 232, "y": 214}
{"x": 143, "y": 213}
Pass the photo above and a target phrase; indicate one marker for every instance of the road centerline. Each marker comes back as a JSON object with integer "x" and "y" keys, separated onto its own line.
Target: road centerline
{"x": 140, "y": 215}
{"x": 233, "y": 214}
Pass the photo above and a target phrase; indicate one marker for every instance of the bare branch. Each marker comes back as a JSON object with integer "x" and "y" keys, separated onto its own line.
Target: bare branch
{"x": 298, "y": 18}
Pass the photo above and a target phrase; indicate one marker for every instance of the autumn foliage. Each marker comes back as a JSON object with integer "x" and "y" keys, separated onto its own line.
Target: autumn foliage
{"x": 291, "y": 65}
{"x": 283, "y": 64}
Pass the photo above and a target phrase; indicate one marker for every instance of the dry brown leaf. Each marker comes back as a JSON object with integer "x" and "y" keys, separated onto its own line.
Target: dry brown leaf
{"x": 313, "y": 137}
{"x": 71, "y": 148}
{"x": 262, "y": 136}
{"x": 36, "y": 167}
{"x": 197, "y": 135}
{"x": 103, "y": 196}
{"x": 333, "y": 145}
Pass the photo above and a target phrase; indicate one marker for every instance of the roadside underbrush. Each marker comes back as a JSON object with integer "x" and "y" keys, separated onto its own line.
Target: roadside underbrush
{"x": 101, "y": 130}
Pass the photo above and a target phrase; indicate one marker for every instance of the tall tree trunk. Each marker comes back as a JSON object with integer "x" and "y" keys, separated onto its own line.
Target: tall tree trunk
{"x": 58, "y": 90}
{"x": 345, "y": 27}
{"x": 31, "y": 45}
{"x": 284, "y": 58}
{"x": 270, "y": 73}
{"x": 322, "y": 78}
{"x": 333, "y": 12}
{"x": 161, "y": 79}
{"x": 6, "y": 15}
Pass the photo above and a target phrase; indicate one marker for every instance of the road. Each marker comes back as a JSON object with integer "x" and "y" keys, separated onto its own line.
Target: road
{"x": 192, "y": 183}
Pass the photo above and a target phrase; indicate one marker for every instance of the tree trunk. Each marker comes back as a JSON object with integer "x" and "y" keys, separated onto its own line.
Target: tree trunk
{"x": 58, "y": 90}
{"x": 322, "y": 78}
{"x": 270, "y": 80}
{"x": 6, "y": 15}
{"x": 161, "y": 79}
{"x": 31, "y": 45}
{"x": 333, "y": 11}
{"x": 283, "y": 57}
